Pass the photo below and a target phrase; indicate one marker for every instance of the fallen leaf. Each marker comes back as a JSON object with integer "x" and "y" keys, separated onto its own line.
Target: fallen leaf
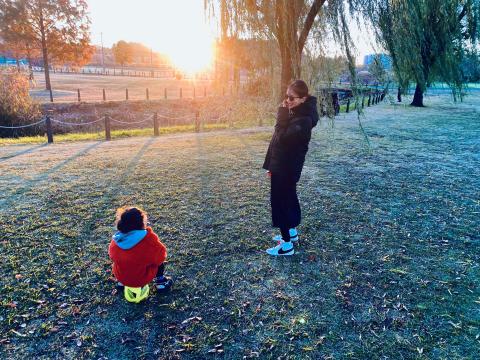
{"x": 127, "y": 340}
{"x": 194, "y": 318}
{"x": 17, "y": 333}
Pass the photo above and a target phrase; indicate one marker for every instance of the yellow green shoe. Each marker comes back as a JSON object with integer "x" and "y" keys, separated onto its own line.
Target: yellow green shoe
{"x": 136, "y": 295}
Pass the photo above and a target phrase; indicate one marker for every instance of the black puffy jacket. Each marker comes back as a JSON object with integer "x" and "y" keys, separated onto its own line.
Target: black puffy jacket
{"x": 289, "y": 144}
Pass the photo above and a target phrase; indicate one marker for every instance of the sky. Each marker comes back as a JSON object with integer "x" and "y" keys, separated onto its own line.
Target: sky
{"x": 159, "y": 24}
{"x": 178, "y": 28}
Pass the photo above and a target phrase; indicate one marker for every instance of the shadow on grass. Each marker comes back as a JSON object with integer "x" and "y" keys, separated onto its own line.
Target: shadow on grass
{"x": 106, "y": 201}
{"x": 43, "y": 176}
{"x": 67, "y": 161}
{"x": 26, "y": 151}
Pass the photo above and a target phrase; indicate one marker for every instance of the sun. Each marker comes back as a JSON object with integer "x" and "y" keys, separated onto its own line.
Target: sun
{"x": 192, "y": 54}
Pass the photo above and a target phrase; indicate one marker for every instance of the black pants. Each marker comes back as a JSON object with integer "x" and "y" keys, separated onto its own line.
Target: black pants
{"x": 286, "y": 211}
{"x": 161, "y": 270}
{"x": 285, "y": 233}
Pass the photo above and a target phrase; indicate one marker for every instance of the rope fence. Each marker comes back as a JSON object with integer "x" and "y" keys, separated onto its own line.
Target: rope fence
{"x": 22, "y": 126}
{"x": 331, "y": 101}
{"x": 75, "y": 124}
{"x": 327, "y": 101}
{"x": 193, "y": 118}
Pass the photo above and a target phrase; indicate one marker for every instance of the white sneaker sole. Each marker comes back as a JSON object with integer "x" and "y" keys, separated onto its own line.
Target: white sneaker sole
{"x": 285, "y": 254}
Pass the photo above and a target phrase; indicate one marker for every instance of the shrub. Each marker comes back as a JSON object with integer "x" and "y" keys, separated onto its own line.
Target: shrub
{"x": 260, "y": 85}
{"x": 16, "y": 106}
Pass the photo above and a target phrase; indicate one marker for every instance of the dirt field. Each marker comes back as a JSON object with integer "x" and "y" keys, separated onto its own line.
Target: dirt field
{"x": 91, "y": 86}
{"x": 387, "y": 266}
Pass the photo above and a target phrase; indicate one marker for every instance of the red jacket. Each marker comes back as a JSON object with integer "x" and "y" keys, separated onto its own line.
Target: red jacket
{"x": 137, "y": 266}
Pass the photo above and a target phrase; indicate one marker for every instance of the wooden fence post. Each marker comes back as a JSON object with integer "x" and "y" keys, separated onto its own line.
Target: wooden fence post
{"x": 204, "y": 91}
{"x": 165, "y": 93}
{"x": 368, "y": 103}
{"x": 194, "y": 92}
{"x": 104, "y": 95}
{"x": 107, "y": 128}
{"x": 126, "y": 94}
{"x": 48, "y": 123}
{"x": 155, "y": 124}
{"x": 147, "y": 94}
{"x": 78, "y": 95}
{"x": 363, "y": 101}
{"x": 348, "y": 105}
{"x": 197, "y": 121}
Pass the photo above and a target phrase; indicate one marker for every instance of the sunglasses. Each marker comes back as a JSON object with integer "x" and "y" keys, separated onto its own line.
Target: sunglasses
{"x": 291, "y": 98}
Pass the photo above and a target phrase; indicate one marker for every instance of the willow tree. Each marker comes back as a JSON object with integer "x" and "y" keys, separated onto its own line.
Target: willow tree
{"x": 288, "y": 22}
{"x": 426, "y": 39}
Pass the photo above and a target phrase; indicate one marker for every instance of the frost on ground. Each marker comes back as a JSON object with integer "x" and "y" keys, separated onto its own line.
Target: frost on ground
{"x": 387, "y": 265}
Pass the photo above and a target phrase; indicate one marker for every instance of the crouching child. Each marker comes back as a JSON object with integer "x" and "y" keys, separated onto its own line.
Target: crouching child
{"x": 138, "y": 255}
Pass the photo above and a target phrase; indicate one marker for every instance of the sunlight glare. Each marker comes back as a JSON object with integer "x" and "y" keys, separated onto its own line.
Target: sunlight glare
{"x": 192, "y": 54}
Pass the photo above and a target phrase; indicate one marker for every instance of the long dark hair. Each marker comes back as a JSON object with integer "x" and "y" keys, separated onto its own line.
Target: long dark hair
{"x": 130, "y": 218}
{"x": 299, "y": 87}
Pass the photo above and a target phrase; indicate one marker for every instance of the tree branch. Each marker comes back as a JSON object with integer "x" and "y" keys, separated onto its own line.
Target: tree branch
{"x": 316, "y": 6}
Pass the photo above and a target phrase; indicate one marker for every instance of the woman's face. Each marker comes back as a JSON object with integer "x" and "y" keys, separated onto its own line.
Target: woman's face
{"x": 292, "y": 99}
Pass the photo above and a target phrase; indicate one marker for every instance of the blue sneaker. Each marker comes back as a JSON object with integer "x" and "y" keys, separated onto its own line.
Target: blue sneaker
{"x": 282, "y": 249}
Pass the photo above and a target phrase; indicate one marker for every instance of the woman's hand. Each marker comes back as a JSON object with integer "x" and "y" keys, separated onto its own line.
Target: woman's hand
{"x": 269, "y": 173}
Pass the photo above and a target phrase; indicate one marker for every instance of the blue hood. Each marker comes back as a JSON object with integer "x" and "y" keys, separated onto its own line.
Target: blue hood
{"x": 130, "y": 239}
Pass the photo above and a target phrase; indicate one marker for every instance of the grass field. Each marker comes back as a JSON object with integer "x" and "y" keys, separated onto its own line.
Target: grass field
{"x": 115, "y": 134}
{"x": 387, "y": 266}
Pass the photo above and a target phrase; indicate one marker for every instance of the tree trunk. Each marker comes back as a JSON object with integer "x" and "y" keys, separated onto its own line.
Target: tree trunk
{"x": 236, "y": 74}
{"x": 29, "y": 60}
{"x": 291, "y": 68}
{"x": 418, "y": 97}
{"x": 287, "y": 71}
{"x": 399, "y": 94}
{"x": 272, "y": 75}
{"x": 45, "y": 52}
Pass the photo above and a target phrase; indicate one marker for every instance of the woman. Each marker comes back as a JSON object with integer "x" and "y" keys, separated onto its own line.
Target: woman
{"x": 296, "y": 117}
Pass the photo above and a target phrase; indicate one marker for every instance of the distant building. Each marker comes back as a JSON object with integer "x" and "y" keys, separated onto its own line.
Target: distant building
{"x": 7, "y": 61}
{"x": 385, "y": 59}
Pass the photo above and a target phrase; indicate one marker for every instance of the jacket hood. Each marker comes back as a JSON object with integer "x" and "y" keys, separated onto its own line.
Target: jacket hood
{"x": 308, "y": 108}
{"x": 128, "y": 240}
